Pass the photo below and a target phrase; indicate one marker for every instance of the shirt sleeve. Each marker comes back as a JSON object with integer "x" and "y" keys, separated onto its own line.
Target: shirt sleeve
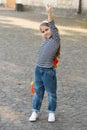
{"x": 54, "y": 31}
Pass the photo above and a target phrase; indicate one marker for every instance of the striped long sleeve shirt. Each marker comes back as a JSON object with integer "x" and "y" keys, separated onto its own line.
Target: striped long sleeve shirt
{"x": 49, "y": 48}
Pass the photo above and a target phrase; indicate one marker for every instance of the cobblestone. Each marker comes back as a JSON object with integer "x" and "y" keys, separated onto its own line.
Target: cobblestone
{"x": 19, "y": 42}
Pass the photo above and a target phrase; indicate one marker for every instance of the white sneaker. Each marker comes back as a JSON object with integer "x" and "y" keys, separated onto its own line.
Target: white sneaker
{"x": 33, "y": 116}
{"x": 51, "y": 117}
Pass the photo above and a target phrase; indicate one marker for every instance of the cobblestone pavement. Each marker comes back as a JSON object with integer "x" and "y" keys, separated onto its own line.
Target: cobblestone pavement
{"x": 19, "y": 42}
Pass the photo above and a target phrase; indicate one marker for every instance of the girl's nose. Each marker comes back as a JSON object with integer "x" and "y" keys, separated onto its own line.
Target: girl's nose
{"x": 45, "y": 33}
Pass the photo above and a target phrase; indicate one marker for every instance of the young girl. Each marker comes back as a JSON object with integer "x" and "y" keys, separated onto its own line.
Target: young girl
{"x": 45, "y": 74}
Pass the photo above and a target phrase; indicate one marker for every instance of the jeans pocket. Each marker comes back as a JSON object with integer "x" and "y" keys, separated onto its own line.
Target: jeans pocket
{"x": 51, "y": 73}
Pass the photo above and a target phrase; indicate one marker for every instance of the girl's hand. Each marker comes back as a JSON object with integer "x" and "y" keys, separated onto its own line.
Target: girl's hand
{"x": 48, "y": 8}
{"x": 49, "y": 12}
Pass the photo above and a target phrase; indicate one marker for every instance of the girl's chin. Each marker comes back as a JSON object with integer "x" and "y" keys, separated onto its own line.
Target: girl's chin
{"x": 46, "y": 37}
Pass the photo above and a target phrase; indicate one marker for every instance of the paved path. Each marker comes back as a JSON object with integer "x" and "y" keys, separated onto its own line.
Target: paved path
{"x": 19, "y": 42}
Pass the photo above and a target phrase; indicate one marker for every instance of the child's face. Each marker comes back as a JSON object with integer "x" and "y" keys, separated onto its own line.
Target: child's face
{"x": 45, "y": 30}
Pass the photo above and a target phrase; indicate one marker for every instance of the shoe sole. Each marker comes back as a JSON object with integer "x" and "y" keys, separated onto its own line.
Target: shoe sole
{"x": 33, "y": 120}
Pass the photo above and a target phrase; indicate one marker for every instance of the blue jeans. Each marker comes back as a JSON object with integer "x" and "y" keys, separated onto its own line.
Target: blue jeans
{"x": 45, "y": 80}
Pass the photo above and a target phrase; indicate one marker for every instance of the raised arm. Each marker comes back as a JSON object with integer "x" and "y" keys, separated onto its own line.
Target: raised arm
{"x": 49, "y": 12}
{"x": 52, "y": 26}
